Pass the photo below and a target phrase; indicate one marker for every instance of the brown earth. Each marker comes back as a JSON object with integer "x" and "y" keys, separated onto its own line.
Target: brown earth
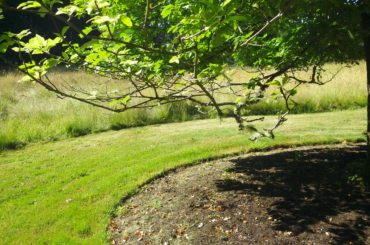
{"x": 294, "y": 196}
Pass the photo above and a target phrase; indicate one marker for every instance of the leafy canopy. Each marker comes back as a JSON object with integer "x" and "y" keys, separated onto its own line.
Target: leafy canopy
{"x": 180, "y": 50}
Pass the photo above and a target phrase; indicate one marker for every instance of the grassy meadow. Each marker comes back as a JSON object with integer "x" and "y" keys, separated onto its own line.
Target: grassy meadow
{"x": 65, "y": 192}
{"x": 29, "y": 113}
{"x": 346, "y": 91}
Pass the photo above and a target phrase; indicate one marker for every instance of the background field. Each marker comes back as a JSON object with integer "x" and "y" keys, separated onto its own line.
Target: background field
{"x": 29, "y": 113}
{"x": 64, "y": 192}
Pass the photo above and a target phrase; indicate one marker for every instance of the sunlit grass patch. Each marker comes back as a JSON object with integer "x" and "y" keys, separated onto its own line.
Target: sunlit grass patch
{"x": 64, "y": 192}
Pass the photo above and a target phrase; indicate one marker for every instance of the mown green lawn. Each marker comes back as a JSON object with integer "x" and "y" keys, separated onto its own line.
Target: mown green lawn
{"x": 64, "y": 192}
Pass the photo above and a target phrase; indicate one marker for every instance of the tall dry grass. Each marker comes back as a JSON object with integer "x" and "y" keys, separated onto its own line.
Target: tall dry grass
{"x": 346, "y": 91}
{"x": 29, "y": 113}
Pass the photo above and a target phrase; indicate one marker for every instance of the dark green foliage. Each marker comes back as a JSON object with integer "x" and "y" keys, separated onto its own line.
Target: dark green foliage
{"x": 10, "y": 142}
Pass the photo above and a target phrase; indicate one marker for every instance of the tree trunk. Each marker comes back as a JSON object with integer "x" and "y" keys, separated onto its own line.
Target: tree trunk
{"x": 366, "y": 36}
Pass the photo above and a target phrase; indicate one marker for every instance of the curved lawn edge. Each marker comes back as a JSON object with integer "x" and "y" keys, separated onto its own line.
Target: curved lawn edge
{"x": 249, "y": 198}
{"x": 359, "y": 141}
{"x": 244, "y": 154}
{"x": 65, "y": 191}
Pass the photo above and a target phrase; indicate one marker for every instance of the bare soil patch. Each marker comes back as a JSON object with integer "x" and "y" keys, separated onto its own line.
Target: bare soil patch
{"x": 292, "y": 196}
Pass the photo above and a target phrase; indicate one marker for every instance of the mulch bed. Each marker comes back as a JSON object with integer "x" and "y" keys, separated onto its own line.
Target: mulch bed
{"x": 292, "y": 196}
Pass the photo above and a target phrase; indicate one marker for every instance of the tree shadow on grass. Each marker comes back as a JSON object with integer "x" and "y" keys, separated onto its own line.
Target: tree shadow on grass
{"x": 305, "y": 188}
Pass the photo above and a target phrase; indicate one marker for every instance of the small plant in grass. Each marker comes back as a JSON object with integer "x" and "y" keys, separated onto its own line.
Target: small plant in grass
{"x": 121, "y": 210}
{"x": 360, "y": 173}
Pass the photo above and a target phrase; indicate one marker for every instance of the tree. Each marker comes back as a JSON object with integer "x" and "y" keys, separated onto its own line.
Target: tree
{"x": 18, "y": 21}
{"x": 179, "y": 50}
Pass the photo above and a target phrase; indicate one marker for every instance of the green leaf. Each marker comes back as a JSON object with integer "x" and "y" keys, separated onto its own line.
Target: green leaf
{"x": 285, "y": 80}
{"x": 293, "y": 92}
{"x": 64, "y": 30}
{"x": 42, "y": 12}
{"x": 37, "y": 42}
{"x": 25, "y": 79}
{"x": 52, "y": 42}
{"x": 27, "y": 65}
{"x": 175, "y": 59}
{"x": 350, "y": 35}
{"x": 125, "y": 100}
{"x": 68, "y": 10}
{"x": 225, "y": 3}
{"x": 29, "y": 5}
{"x": 113, "y": 103}
{"x": 4, "y": 47}
{"x": 274, "y": 82}
{"x": 86, "y": 31}
{"x": 167, "y": 11}
{"x": 102, "y": 19}
{"x": 65, "y": 56}
{"x": 130, "y": 62}
{"x": 17, "y": 49}
{"x": 39, "y": 45}
{"x": 5, "y": 42}
{"x": 126, "y": 21}
{"x": 49, "y": 63}
{"x": 23, "y": 34}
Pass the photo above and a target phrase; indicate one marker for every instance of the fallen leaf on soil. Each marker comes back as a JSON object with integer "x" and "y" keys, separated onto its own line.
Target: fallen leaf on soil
{"x": 139, "y": 233}
{"x": 113, "y": 225}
